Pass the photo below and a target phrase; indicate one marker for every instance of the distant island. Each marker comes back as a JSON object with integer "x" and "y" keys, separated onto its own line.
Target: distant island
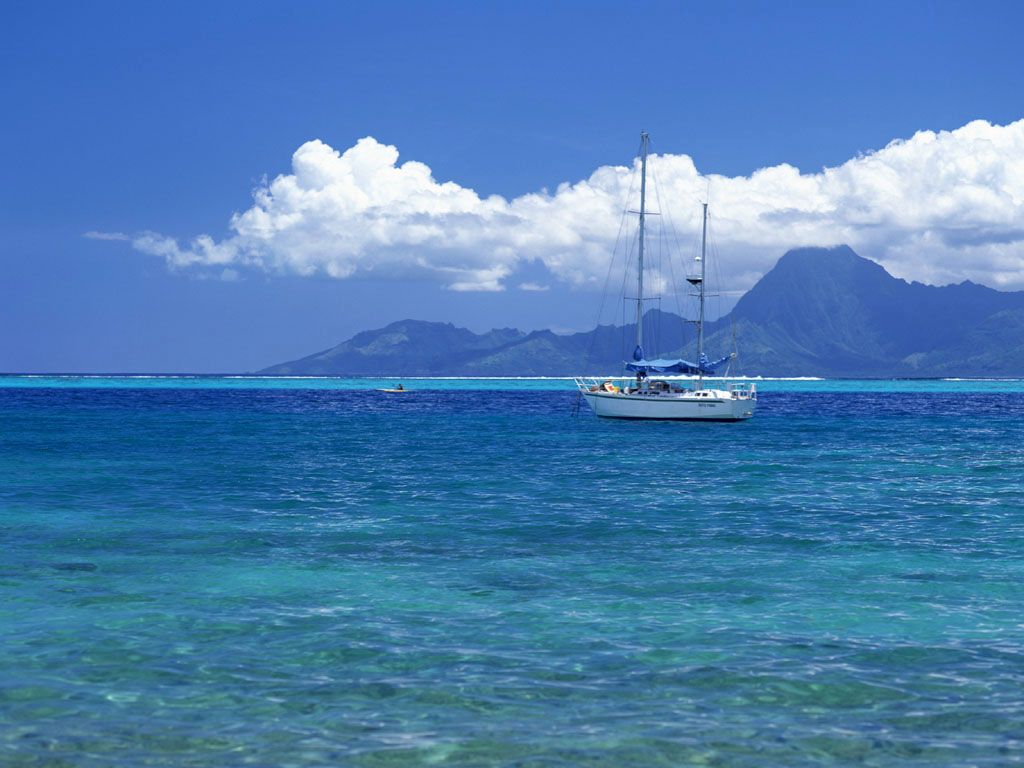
{"x": 818, "y": 312}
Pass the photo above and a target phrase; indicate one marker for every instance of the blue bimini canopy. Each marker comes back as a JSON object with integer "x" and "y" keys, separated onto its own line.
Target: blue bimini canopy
{"x": 703, "y": 367}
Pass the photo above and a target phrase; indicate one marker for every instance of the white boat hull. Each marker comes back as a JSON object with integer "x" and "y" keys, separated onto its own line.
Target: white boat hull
{"x": 670, "y": 407}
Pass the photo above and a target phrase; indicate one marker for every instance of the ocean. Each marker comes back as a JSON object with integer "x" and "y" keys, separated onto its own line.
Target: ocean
{"x": 204, "y": 571}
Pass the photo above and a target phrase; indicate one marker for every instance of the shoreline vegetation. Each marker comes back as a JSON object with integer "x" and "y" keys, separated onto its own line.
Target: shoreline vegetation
{"x": 454, "y": 384}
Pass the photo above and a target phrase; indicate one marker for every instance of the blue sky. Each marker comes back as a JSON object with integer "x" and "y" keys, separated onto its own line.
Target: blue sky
{"x": 129, "y": 118}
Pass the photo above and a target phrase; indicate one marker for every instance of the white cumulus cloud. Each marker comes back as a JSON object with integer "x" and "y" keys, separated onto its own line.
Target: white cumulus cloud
{"x": 937, "y": 207}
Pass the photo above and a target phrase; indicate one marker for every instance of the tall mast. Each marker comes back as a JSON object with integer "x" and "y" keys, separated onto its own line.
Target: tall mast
{"x": 640, "y": 257}
{"x": 703, "y": 272}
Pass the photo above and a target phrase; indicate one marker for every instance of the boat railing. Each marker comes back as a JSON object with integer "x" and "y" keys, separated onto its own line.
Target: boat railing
{"x": 743, "y": 389}
{"x": 612, "y": 384}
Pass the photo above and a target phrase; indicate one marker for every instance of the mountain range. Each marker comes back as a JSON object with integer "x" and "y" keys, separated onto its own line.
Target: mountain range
{"x": 818, "y": 312}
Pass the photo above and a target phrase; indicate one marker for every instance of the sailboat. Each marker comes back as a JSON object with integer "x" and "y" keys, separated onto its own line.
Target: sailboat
{"x": 649, "y": 397}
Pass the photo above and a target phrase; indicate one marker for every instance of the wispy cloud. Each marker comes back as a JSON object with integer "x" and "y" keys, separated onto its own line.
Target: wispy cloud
{"x": 937, "y": 207}
{"x": 93, "y": 235}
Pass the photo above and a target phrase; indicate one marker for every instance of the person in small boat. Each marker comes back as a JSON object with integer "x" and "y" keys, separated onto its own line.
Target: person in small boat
{"x": 400, "y": 388}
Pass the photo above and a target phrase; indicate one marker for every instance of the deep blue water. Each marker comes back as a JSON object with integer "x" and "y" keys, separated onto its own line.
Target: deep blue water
{"x": 207, "y": 572}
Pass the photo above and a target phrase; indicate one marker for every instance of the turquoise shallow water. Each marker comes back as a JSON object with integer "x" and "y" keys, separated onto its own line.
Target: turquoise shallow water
{"x": 231, "y": 572}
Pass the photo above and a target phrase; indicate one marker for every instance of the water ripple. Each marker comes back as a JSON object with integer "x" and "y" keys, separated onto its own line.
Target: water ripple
{"x": 233, "y": 576}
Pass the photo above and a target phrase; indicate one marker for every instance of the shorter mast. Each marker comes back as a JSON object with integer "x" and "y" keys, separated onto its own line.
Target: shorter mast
{"x": 700, "y": 320}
